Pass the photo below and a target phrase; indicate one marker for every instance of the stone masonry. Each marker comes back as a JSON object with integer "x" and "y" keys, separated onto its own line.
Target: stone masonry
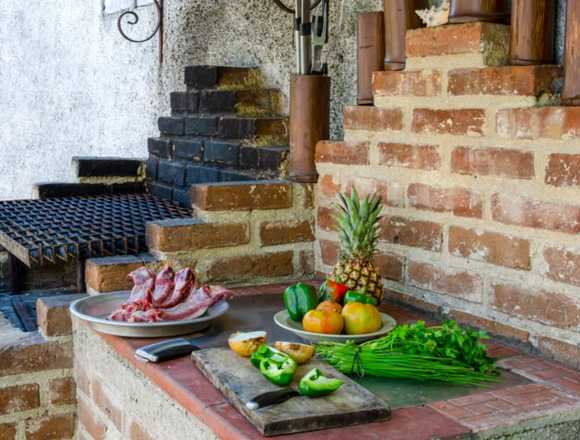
{"x": 480, "y": 182}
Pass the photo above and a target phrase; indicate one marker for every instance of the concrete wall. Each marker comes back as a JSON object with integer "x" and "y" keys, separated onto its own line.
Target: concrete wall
{"x": 70, "y": 85}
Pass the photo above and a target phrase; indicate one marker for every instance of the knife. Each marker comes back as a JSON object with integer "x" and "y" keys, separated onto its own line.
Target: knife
{"x": 271, "y": 398}
{"x": 179, "y": 347}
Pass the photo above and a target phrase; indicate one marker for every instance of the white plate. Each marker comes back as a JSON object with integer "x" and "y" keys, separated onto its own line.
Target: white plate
{"x": 283, "y": 320}
{"x": 96, "y": 309}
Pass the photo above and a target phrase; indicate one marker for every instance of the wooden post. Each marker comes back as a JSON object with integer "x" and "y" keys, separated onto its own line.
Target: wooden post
{"x": 463, "y": 11}
{"x": 399, "y": 17}
{"x": 532, "y": 32}
{"x": 309, "y": 123}
{"x": 370, "y": 53}
{"x": 571, "y": 92}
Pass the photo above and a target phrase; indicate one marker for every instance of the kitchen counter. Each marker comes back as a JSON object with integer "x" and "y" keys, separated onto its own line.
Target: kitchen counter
{"x": 119, "y": 392}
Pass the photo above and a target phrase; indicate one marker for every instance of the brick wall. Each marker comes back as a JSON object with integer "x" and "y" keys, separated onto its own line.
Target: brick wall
{"x": 242, "y": 233}
{"x": 37, "y": 391}
{"x": 480, "y": 182}
{"x": 115, "y": 401}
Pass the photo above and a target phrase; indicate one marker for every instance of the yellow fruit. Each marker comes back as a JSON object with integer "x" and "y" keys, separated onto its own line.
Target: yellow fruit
{"x": 301, "y": 353}
{"x": 361, "y": 318}
{"x": 329, "y": 306}
{"x": 245, "y": 344}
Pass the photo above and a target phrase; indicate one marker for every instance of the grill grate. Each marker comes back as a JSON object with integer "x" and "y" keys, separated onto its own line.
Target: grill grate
{"x": 60, "y": 229}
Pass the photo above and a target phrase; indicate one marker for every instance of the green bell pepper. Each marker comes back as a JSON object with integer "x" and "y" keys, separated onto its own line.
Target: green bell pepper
{"x": 314, "y": 384}
{"x": 358, "y": 297}
{"x": 267, "y": 353}
{"x": 279, "y": 373}
{"x": 299, "y": 299}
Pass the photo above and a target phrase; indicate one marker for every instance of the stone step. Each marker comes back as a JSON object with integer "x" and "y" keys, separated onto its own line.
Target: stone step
{"x": 259, "y": 102}
{"x": 226, "y": 126}
{"x": 222, "y": 77}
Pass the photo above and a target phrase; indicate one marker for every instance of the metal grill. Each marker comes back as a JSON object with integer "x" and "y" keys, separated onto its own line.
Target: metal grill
{"x": 62, "y": 229}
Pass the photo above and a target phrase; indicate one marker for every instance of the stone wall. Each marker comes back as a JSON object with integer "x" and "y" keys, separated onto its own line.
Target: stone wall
{"x": 75, "y": 87}
{"x": 480, "y": 183}
{"x": 37, "y": 391}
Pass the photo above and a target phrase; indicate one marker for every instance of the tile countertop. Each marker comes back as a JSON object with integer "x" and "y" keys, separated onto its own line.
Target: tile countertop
{"x": 184, "y": 383}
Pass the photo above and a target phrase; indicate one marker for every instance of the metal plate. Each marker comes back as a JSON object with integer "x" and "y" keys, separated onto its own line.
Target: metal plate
{"x": 96, "y": 309}
{"x": 283, "y": 320}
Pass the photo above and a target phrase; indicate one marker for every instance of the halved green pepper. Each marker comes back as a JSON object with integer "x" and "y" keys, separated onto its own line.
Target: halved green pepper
{"x": 314, "y": 384}
{"x": 268, "y": 353}
{"x": 279, "y": 373}
{"x": 299, "y": 299}
{"x": 358, "y": 297}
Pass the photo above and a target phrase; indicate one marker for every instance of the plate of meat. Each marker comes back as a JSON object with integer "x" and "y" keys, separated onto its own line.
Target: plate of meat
{"x": 159, "y": 305}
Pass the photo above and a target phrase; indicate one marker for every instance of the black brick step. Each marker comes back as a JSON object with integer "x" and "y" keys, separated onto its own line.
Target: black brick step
{"x": 241, "y": 102}
{"x": 263, "y": 158}
{"x": 209, "y": 77}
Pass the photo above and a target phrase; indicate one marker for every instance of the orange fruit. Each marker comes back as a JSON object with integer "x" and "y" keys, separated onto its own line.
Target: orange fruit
{"x": 323, "y": 321}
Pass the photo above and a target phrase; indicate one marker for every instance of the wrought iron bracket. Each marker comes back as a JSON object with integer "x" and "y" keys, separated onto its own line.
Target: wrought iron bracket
{"x": 132, "y": 18}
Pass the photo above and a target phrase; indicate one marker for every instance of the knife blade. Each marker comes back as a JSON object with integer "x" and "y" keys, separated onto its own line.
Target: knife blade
{"x": 271, "y": 398}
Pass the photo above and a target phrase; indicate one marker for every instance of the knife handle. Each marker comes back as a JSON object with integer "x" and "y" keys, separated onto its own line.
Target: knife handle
{"x": 165, "y": 350}
{"x": 271, "y": 398}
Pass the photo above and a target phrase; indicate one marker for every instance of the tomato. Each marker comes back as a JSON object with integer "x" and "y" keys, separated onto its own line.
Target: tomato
{"x": 329, "y": 306}
{"x": 361, "y": 318}
{"x": 323, "y": 321}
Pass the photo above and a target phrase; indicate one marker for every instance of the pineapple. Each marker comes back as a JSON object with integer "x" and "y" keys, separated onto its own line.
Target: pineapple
{"x": 358, "y": 224}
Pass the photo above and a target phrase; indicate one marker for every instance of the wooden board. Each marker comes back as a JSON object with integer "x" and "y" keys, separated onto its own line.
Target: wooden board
{"x": 240, "y": 382}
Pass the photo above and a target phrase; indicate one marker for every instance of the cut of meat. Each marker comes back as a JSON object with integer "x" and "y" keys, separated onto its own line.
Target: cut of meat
{"x": 164, "y": 284}
{"x": 196, "y": 304}
{"x": 167, "y": 297}
{"x": 184, "y": 282}
{"x": 143, "y": 285}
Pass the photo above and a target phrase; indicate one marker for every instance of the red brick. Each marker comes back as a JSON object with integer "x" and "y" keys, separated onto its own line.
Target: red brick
{"x": 505, "y": 80}
{"x": 182, "y": 235}
{"x": 516, "y": 210}
{"x": 326, "y": 220}
{"x": 390, "y": 266}
{"x": 491, "y": 247}
{"x": 412, "y": 301}
{"x": 56, "y": 427}
{"x": 551, "y": 308}
{"x": 493, "y": 327}
{"x": 391, "y": 193}
{"x": 407, "y": 83}
{"x": 137, "y": 432}
{"x": 91, "y": 422}
{"x": 372, "y": 118}
{"x": 563, "y": 170}
{"x": 328, "y": 186}
{"x": 493, "y": 162}
{"x": 419, "y": 157}
{"x": 461, "y": 284}
{"x": 342, "y": 153}
{"x": 62, "y": 391}
{"x": 19, "y": 398}
{"x": 307, "y": 263}
{"x": 563, "y": 265}
{"x": 242, "y": 196}
{"x": 539, "y": 122}
{"x": 53, "y": 314}
{"x": 469, "y": 122}
{"x": 110, "y": 274}
{"x": 241, "y": 268}
{"x": 108, "y": 402}
{"x": 286, "y": 231}
{"x": 330, "y": 252}
{"x": 414, "y": 233}
{"x": 568, "y": 353}
{"x": 7, "y": 431}
{"x": 33, "y": 354}
{"x": 454, "y": 39}
{"x": 459, "y": 201}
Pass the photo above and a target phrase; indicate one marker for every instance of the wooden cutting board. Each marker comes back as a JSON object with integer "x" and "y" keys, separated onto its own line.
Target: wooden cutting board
{"x": 240, "y": 382}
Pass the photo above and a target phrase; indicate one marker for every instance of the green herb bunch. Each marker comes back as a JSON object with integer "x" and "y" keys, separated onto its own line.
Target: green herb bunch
{"x": 445, "y": 353}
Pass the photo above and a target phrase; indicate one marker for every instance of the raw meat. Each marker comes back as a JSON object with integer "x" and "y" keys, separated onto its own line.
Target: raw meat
{"x": 164, "y": 285}
{"x": 167, "y": 297}
{"x": 184, "y": 282}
